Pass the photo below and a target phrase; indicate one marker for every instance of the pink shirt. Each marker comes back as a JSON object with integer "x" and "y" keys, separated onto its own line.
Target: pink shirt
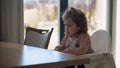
{"x": 77, "y": 45}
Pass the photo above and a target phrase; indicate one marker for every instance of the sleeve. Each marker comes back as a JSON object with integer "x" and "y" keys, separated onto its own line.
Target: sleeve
{"x": 62, "y": 46}
{"x": 83, "y": 46}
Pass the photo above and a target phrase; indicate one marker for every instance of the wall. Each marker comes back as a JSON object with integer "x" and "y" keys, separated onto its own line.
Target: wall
{"x": 118, "y": 35}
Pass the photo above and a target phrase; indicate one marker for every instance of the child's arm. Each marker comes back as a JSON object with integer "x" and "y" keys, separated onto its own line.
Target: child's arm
{"x": 83, "y": 46}
{"x": 61, "y": 47}
{"x": 77, "y": 51}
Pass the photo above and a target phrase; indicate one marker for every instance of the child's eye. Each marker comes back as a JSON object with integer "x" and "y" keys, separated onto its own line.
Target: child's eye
{"x": 67, "y": 25}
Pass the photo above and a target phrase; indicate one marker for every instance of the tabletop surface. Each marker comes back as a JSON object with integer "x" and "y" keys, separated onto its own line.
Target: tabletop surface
{"x": 15, "y": 55}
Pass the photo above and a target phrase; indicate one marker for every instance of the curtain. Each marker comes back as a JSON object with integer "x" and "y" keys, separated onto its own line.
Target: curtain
{"x": 0, "y": 20}
{"x": 11, "y": 25}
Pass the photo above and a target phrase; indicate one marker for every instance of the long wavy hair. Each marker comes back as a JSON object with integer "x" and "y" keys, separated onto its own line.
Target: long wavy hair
{"x": 78, "y": 17}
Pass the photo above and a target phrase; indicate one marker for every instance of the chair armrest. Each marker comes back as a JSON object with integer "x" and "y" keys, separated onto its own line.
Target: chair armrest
{"x": 95, "y": 55}
{"x": 97, "y": 60}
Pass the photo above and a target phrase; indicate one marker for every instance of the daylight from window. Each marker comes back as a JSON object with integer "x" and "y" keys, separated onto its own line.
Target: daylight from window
{"x": 42, "y": 14}
{"x": 118, "y": 35}
{"x": 95, "y": 11}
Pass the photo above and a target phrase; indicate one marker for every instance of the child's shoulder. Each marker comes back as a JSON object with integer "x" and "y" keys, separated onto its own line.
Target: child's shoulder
{"x": 84, "y": 35}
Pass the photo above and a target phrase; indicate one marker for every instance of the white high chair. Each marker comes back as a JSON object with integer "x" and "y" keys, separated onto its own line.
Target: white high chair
{"x": 101, "y": 44}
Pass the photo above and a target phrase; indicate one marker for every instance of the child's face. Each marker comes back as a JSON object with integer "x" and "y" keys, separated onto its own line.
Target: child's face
{"x": 70, "y": 27}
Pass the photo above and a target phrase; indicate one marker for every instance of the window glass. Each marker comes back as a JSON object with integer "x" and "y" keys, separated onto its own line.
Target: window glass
{"x": 42, "y": 14}
{"x": 95, "y": 11}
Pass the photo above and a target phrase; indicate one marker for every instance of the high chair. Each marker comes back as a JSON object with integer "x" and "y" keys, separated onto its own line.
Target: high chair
{"x": 101, "y": 44}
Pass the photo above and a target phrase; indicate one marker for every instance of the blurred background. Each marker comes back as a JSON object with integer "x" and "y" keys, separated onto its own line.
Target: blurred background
{"x": 44, "y": 14}
{"x": 16, "y": 15}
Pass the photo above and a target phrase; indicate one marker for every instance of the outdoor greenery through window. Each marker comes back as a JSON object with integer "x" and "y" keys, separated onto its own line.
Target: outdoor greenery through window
{"x": 95, "y": 11}
{"x": 42, "y": 14}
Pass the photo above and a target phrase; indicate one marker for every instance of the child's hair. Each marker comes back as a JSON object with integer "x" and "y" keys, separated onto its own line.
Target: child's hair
{"x": 78, "y": 17}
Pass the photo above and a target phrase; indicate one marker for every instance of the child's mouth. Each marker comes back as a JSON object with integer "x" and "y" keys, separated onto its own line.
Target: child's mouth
{"x": 67, "y": 33}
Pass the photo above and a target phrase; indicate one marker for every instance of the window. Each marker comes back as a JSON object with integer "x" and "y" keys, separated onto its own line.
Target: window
{"x": 96, "y": 13}
{"x": 117, "y": 35}
{"x": 42, "y": 14}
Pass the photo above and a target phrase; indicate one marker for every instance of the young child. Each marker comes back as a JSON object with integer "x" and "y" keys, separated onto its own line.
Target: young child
{"x": 76, "y": 40}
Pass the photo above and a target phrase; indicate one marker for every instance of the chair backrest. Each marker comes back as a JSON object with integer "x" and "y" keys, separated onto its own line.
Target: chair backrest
{"x": 38, "y": 37}
{"x": 101, "y": 42}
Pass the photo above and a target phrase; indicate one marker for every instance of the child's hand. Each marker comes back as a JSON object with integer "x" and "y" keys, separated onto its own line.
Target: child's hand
{"x": 66, "y": 34}
{"x": 58, "y": 48}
